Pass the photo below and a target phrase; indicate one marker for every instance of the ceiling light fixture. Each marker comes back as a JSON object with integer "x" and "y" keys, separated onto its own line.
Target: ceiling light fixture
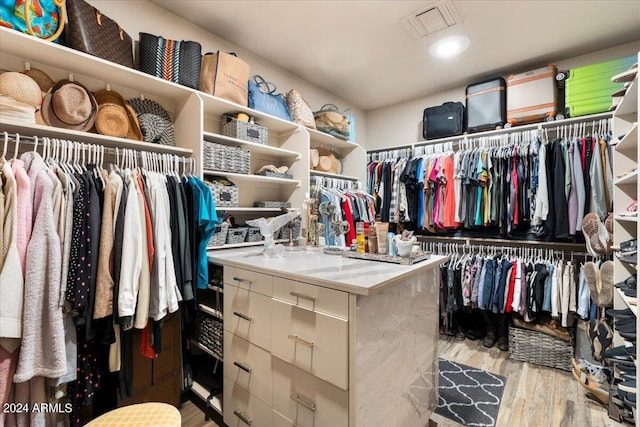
{"x": 449, "y": 46}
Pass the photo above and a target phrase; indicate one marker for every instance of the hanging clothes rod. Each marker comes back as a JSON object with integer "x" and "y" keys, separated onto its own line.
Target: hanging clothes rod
{"x": 566, "y": 246}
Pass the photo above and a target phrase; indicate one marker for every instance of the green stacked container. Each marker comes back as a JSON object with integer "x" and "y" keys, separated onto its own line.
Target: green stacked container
{"x": 588, "y": 89}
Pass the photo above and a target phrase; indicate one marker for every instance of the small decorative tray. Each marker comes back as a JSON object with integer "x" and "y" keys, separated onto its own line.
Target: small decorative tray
{"x": 387, "y": 258}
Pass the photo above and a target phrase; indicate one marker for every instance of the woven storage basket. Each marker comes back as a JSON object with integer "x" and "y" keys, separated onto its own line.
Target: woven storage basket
{"x": 237, "y": 235}
{"x": 271, "y": 204}
{"x": 209, "y": 333}
{"x": 541, "y": 349}
{"x": 224, "y": 196}
{"x": 253, "y": 234}
{"x": 220, "y": 236}
{"x": 284, "y": 231}
{"x": 224, "y": 158}
{"x": 244, "y": 130}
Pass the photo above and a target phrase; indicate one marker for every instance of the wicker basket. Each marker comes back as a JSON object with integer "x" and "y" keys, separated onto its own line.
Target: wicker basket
{"x": 225, "y": 158}
{"x": 253, "y": 234}
{"x": 209, "y": 333}
{"x": 244, "y": 130}
{"x": 284, "y": 231}
{"x": 220, "y": 236}
{"x": 541, "y": 349}
{"x": 237, "y": 235}
{"x": 224, "y": 196}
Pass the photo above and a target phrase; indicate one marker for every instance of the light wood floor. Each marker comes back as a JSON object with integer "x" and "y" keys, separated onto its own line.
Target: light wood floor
{"x": 534, "y": 396}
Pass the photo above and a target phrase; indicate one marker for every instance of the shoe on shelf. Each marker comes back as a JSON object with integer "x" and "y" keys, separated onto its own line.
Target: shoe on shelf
{"x": 626, "y": 76}
{"x": 628, "y": 247}
{"x": 631, "y": 210}
{"x": 629, "y": 335}
{"x": 628, "y": 386}
{"x": 631, "y": 293}
{"x": 624, "y": 313}
{"x": 617, "y": 354}
{"x": 629, "y": 283}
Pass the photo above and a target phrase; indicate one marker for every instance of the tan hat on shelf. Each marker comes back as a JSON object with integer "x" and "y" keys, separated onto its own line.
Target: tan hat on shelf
{"x": 327, "y": 161}
{"x": 115, "y": 117}
{"x": 69, "y": 105}
{"x": 44, "y": 81}
{"x": 20, "y": 87}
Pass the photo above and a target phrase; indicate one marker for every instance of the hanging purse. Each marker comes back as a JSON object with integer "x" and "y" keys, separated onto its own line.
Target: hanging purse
{"x": 91, "y": 32}
{"x": 44, "y": 18}
{"x": 332, "y": 121}
{"x": 262, "y": 97}
{"x": 300, "y": 109}
{"x": 225, "y": 75}
{"x": 176, "y": 61}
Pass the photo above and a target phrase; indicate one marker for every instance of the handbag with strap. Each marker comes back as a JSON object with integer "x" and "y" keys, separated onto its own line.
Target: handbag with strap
{"x": 300, "y": 109}
{"x": 43, "y": 18}
{"x": 89, "y": 31}
{"x": 173, "y": 60}
{"x": 329, "y": 119}
{"x": 263, "y": 97}
{"x": 226, "y": 76}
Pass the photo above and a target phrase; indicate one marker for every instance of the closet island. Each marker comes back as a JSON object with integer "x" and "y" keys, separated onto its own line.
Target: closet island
{"x": 316, "y": 339}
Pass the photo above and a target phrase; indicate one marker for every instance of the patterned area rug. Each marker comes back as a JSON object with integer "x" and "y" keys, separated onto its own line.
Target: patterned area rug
{"x": 468, "y": 395}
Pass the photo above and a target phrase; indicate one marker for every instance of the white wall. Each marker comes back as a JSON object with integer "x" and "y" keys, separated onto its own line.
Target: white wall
{"x": 401, "y": 124}
{"x": 142, "y": 16}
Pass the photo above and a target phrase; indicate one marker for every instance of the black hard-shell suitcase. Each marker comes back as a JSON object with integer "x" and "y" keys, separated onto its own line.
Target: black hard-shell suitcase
{"x": 486, "y": 105}
{"x": 443, "y": 120}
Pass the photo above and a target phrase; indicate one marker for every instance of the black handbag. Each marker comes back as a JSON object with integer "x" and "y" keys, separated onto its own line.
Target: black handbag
{"x": 443, "y": 121}
{"x": 176, "y": 61}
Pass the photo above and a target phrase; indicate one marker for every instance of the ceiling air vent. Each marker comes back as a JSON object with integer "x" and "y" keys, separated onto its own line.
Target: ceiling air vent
{"x": 437, "y": 16}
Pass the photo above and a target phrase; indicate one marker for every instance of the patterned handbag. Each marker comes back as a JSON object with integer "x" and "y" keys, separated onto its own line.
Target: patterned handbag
{"x": 176, "y": 61}
{"x": 45, "y": 18}
{"x": 89, "y": 31}
{"x": 263, "y": 97}
{"x": 329, "y": 119}
{"x": 300, "y": 109}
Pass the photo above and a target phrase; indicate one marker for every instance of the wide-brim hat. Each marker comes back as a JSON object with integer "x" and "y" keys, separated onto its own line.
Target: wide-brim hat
{"x": 16, "y": 111}
{"x": 41, "y": 78}
{"x": 327, "y": 161}
{"x": 69, "y": 105}
{"x": 115, "y": 117}
{"x": 20, "y": 87}
{"x": 155, "y": 121}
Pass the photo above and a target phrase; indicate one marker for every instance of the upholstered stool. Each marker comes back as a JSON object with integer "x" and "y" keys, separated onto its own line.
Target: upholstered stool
{"x": 152, "y": 414}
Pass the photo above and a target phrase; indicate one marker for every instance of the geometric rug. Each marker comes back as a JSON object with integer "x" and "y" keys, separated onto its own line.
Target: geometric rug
{"x": 467, "y": 395}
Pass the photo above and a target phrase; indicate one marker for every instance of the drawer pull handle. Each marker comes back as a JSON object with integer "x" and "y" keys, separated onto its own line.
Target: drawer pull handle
{"x": 302, "y": 296}
{"x": 242, "y": 316}
{"x": 243, "y": 417}
{"x": 241, "y": 280}
{"x": 307, "y": 403}
{"x": 301, "y": 341}
{"x": 242, "y": 366}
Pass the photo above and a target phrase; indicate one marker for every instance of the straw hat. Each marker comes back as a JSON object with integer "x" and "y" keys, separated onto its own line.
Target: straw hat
{"x": 20, "y": 87}
{"x": 44, "y": 81}
{"x": 69, "y": 105}
{"x": 115, "y": 117}
{"x": 327, "y": 161}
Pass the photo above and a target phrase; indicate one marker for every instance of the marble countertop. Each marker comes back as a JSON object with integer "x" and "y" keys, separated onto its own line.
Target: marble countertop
{"x": 331, "y": 271}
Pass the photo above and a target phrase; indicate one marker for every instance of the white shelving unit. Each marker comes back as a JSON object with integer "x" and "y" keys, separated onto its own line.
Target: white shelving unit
{"x": 626, "y": 157}
{"x": 352, "y": 155}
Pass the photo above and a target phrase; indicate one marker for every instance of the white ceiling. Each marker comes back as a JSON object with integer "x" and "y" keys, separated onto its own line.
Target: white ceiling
{"x": 360, "y": 51}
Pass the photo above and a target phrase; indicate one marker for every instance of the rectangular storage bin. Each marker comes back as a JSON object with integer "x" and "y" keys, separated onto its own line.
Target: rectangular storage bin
{"x": 271, "y": 204}
{"x": 253, "y": 234}
{"x": 220, "y": 236}
{"x": 224, "y": 196}
{"x": 209, "y": 333}
{"x": 219, "y": 157}
{"x": 541, "y": 349}
{"x": 236, "y": 235}
{"x": 244, "y": 130}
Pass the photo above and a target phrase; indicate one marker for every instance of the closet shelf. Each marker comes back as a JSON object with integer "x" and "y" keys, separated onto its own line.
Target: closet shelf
{"x": 630, "y": 140}
{"x": 629, "y": 103}
{"x": 631, "y": 178}
{"x": 249, "y": 210}
{"x": 328, "y": 141}
{"x": 626, "y": 218}
{"x": 93, "y": 138}
{"x": 201, "y": 391}
{"x": 36, "y": 51}
{"x": 205, "y": 349}
{"x": 627, "y": 300}
{"x": 243, "y": 245}
{"x": 253, "y": 178}
{"x": 210, "y": 311}
{"x": 333, "y": 175}
{"x": 254, "y": 147}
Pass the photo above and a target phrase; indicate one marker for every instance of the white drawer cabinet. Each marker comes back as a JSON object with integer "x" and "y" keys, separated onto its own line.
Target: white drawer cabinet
{"x": 247, "y": 314}
{"x": 248, "y": 366}
{"x": 242, "y": 409}
{"x": 316, "y": 298}
{"x": 315, "y": 342}
{"x": 306, "y": 400}
{"x": 249, "y": 280}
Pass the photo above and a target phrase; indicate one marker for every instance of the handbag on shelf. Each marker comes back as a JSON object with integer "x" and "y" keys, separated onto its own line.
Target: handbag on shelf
{"x": 300, "y": 109}
{"x": 43, "y": 19}
{"x": 226, "y": 76}
{"x": 173, "y": 60}
{"x": 329, "y": 119}
{"x": 89, "y": 31}
{"x": 352, "y": 124}
{"x": 263, "y": 97}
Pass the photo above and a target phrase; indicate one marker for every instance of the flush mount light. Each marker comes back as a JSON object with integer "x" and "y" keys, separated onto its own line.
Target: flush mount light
{"x": 449, "y": 46}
